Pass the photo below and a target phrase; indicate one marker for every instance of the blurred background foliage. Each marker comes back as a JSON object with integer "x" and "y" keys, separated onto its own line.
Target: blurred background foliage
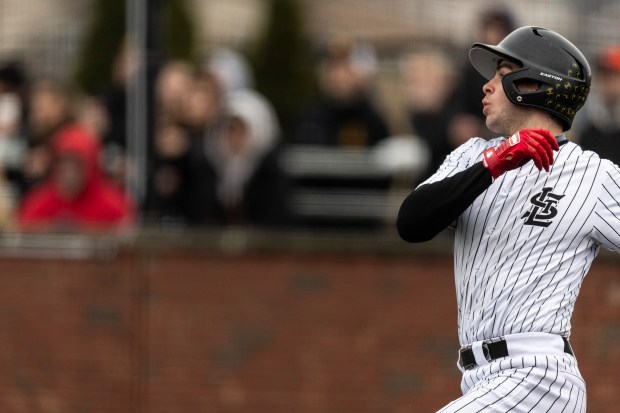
{"x": 106, "y": 31}
{"x": 283, "y": 60}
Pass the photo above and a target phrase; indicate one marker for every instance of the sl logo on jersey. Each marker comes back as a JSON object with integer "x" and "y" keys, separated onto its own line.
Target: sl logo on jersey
{"x": 543, "y": 208}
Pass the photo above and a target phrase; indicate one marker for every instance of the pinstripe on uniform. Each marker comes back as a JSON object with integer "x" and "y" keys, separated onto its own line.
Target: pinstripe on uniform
{"x": 523, "y": 384}
{"x": 522, "y": 250}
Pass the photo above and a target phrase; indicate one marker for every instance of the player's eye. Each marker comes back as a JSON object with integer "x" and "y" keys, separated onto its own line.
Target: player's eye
{"x": 503, "y": 72}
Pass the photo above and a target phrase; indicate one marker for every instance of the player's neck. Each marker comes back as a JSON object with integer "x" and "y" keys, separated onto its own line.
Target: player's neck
{"x": 543, "y": 122}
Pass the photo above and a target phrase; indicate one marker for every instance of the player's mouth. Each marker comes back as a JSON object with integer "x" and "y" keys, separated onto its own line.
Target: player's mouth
{"x": 485, "y": 107}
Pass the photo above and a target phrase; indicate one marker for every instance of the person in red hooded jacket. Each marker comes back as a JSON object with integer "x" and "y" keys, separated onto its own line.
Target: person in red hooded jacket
{"x": 77, "y": 196}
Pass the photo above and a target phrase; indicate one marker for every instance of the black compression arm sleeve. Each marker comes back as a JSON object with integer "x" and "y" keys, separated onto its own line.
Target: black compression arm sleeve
{"x": 431, "y": 208}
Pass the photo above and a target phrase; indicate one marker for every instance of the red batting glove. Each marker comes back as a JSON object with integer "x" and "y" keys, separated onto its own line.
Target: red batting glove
{"x": 535, "y": 144}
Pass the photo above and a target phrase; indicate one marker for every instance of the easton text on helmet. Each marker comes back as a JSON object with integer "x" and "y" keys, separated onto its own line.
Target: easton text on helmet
{"x": 551, "y": 76}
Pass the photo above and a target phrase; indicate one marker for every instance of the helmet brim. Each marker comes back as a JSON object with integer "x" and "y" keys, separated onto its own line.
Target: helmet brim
{"x": 485, "y": 59}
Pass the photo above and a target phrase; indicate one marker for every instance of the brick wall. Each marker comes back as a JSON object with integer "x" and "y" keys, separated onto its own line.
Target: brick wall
{"x": 206, "y": 331}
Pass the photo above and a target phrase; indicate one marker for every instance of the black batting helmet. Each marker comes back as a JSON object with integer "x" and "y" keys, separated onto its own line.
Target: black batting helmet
{"x": 544, "y": 57}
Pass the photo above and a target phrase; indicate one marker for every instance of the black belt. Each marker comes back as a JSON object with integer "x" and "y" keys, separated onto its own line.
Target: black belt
{"x": 493, "y": 350}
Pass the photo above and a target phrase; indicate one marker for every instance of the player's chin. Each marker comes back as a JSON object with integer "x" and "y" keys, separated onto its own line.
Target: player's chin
{"x": 490, "y": 124}
{"x": 494, "y": 125}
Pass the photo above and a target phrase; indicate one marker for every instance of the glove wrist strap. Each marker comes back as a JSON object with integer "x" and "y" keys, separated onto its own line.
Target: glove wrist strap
{"x": 491, "y": 162}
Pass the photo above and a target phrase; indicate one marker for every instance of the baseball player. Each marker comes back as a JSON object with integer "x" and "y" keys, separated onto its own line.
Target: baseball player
{"x": 530, "y": 211}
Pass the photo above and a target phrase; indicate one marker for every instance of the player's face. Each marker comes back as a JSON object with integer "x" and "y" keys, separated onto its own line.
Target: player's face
{"x": 502, "y": 116}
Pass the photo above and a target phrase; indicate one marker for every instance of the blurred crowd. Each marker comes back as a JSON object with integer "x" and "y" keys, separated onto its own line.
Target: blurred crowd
{"x": 215, "y": 154}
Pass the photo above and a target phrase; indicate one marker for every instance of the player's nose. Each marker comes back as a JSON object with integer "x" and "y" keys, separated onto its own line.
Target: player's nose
{"x": 487, "y": 88}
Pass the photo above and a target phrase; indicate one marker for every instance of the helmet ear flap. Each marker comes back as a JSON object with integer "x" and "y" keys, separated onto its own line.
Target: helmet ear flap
{"x": 560, "y": 96}
{"x": 511, "y": 82}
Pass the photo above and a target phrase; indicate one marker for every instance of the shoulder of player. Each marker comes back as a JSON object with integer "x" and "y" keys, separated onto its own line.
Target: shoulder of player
{"x": 606, "y": 169}
{"x": 476, "y": 145}
{"x": 591, "y": 156}
{"x": 612, "y": 170}
{"x": 470, "y": 151}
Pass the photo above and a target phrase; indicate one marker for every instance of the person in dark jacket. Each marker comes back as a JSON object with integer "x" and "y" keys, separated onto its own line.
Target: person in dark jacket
{"x": 345, "y": 116}
{"x": 236, "y": 177}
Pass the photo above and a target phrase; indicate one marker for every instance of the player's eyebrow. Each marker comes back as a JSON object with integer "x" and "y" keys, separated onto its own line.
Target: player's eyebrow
{"x": 503, "y": 63}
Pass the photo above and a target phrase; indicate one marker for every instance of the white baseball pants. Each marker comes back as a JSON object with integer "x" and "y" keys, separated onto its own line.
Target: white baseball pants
{"x": 536, "y": 376}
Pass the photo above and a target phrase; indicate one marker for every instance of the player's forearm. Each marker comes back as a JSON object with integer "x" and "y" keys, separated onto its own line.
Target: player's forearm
{"x": 430, "y": 208}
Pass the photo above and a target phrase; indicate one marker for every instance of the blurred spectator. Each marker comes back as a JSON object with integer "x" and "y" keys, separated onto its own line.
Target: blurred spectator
{"x": 13, "y": 106}
{"x": 108, "y": 114}
{"x": 202, "y": 108}
{"x": 49, "y": 111}
{"x": 8, "y": 201}
{"x": 236, "y": 175}
{"x": 429, "y": 82}
{"x": 12, "y": 103}
{"x": 174, "y": 82}
{"x": 75, "y": 196}
{"x": 599, "y": 128}
{"x": 231, "y": 69}
{"x": 175, "y": 92}
{"x": 492, "y": 26}
{"x": 346, "y": 115}
{"x": 90, "y": 112}
{"x": 169, "y": 197}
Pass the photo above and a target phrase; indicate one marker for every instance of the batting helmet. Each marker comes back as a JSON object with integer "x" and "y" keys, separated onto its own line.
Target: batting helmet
{"x": 545, "y": 57}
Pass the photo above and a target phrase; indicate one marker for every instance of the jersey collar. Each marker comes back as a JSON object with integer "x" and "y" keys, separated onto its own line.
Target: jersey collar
{"x": 561, "y": 138}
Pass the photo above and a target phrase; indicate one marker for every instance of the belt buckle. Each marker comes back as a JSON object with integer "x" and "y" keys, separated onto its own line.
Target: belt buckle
{"x": 486, "y": 352}
{"x": 466, "y": 364}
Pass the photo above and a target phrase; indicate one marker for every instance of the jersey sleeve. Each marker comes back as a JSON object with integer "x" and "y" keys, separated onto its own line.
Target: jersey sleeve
{"x": 460, "y": 159}
{"x": 606, "y": 227}
{"x": 436, "y": 203}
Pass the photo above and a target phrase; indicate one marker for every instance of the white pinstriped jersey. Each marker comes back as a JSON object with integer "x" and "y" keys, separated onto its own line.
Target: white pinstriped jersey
{"x": 523, "y": 248}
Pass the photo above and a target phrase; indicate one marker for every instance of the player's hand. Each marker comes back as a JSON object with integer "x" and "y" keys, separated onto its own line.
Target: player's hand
{"x": 527, "y": 144}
